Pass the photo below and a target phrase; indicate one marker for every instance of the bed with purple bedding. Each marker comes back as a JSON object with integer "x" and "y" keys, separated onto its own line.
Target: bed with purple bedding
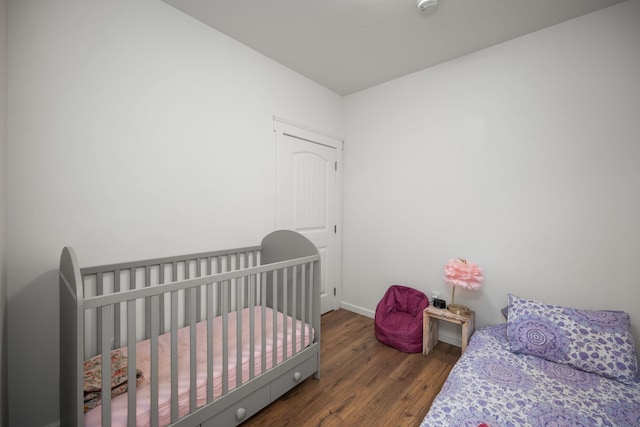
{"x": 547, "y": 366}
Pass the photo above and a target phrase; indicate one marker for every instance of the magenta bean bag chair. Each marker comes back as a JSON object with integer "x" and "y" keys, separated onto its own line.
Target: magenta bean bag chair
{"x": 398, "y": 320}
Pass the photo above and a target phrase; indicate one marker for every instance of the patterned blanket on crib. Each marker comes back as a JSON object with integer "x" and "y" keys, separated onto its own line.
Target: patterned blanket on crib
{"x": 494, "y": 386}
{"x": 93, "y": 378}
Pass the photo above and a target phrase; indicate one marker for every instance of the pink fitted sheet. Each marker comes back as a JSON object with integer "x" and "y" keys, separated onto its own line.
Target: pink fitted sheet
{"x": 119, "y": 409}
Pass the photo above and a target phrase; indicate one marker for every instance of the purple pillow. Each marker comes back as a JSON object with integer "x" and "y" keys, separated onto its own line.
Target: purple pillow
{"x": 593, "y": 341}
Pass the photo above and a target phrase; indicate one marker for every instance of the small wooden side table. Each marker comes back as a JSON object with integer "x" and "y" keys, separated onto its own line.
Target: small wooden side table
{"x": 431, "y": 318}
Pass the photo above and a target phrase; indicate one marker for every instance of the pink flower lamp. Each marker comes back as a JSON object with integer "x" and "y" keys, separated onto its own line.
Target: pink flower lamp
{"x": 459, "y": 272}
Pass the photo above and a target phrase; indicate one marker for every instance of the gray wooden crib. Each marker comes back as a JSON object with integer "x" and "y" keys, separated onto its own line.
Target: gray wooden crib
{"x": 204, "y": 339}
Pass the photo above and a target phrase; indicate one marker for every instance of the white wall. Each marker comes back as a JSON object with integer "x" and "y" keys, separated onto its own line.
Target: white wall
{"x": 134, "y": 131}
{"x": 523, "y": 158}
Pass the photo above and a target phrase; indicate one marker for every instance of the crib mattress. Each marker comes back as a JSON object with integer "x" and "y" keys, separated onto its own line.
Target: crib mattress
{"x": 302, "y": 334}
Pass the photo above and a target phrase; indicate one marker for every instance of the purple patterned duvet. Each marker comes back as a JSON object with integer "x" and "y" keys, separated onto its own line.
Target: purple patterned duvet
{"x": 492, "y": 385}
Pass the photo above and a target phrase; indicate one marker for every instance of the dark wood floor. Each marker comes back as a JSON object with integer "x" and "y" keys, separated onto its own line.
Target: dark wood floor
{"x": 362, "y": 382}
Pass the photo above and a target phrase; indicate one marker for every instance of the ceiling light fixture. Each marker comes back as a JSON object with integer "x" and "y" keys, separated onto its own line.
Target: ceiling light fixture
{"x": 424, "y": 5}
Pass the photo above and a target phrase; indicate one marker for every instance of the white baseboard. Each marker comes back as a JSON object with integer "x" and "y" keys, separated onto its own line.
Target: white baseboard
{"x": 55, "y": 424}
{"x": 359, "y": 310}
{"x": 450, "y": 339}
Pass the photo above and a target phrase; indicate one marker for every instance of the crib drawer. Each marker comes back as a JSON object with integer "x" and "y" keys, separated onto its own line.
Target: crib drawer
{"x": 242, "y": 410}
{"x": 293, "y": 377}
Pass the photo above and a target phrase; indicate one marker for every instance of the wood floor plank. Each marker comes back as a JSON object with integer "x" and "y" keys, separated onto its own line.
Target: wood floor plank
{"x": 362, "y": 381}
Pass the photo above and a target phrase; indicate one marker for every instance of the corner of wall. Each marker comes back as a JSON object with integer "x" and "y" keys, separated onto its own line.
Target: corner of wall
{"x": 3, "y": 210}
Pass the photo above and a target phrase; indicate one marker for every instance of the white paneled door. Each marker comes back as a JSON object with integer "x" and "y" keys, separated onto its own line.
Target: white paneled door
{"x": 307, "y": 197}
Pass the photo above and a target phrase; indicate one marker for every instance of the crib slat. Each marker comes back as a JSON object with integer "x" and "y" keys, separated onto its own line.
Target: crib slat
{"x": 161, "y": 319}
{"x": 99, "y": 291}
{"x": 131, "y": 354}
{"x": 210, "y": 316}
{"x": 116, "y": 310}
{"x": 252, "y": 321}
{"x": 106, "y": 365}
{"x": 99, "y": 284}
{"x": 174, "y": 278}
{"x": 219, "y": 291}
{"x": 193, "y": 352}
{"x": 275, "y": 317}
{"x": 311, "y": 302}
{"x": 155, "y": 328}
{"x": 240, "y": 283}
{"x": 174, "y": 271}
{"x": 294, "y": 282}
{"x": 216, "y": 307}
{"x": 147, "y": 301}
{"x": 263, "y": 322}
{"x": 245, "y": 282}
{"x": 238, "y": 337}
{"x": 225, "y": 339}
{"x": 187, "y": 292}
{"x": 174, "y": 356}
{"x": 199, "y": 291}
{"x": 233, "y": 282}
{"x": 285, "y": 285}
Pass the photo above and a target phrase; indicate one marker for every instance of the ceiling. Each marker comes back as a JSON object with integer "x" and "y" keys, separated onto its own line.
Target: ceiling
{"x": 351, "y": 45}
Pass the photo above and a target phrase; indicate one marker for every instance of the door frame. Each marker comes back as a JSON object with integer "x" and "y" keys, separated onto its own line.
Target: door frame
{"x": 282, "y": 127}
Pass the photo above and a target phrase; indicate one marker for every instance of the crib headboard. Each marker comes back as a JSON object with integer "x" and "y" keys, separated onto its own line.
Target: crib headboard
{"x": 282, "y": 245}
